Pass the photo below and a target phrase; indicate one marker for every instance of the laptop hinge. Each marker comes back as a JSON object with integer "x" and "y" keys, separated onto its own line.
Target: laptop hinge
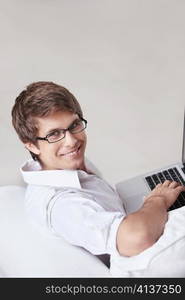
{"x": 183, "y": 141}
{"x": 183, "y": 169}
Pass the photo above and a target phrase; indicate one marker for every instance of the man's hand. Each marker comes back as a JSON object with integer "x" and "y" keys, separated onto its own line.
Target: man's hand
{"x": 141, "y": 229}
{"x": 168, "y": 191}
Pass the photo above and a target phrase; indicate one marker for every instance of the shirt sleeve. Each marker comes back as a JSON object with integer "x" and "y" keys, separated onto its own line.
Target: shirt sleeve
{"x": 83, "y": 222}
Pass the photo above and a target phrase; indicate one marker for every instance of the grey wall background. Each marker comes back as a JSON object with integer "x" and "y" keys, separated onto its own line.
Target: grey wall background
{"x": 123, "y": 59}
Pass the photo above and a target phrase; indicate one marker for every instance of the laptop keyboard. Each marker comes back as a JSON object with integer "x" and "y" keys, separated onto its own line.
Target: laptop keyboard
{"x": 169, "y": 174}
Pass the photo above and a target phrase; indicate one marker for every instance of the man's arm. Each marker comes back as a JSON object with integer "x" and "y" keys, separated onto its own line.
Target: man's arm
{"x": 141, "y": 229}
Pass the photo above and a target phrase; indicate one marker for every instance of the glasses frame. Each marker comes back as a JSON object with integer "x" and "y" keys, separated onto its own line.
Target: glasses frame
{"x": 64, "y": 130}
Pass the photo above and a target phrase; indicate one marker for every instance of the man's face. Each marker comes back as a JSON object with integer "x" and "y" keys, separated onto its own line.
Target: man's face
{"x": 67, "y": 153}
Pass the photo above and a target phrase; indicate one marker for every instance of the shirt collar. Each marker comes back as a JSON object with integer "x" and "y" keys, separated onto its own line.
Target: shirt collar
{"x": 33, "y": 174}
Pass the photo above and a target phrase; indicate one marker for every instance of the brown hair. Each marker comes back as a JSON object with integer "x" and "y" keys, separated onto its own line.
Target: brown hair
{"x": 40, "y": 99}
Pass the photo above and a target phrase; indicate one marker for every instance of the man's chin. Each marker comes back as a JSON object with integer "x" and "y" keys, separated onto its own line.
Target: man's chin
{"x": 73, "y": 165}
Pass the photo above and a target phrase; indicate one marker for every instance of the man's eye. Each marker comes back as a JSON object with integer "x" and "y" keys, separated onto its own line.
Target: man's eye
{"x": 55, "y": 133}
{"x": 76, "y": 124}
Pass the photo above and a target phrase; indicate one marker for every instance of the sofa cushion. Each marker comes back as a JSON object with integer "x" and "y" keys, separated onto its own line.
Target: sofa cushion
{"x": 26, "y": 252}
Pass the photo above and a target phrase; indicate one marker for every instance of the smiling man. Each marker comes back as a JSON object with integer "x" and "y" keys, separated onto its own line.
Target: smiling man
{"x": 65, "y": 194}
{"x": 69, "y": 153}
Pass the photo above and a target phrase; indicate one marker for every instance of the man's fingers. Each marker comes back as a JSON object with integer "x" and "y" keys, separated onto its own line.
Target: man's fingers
{"x": 174, "y": 184}
{"x": 167, "y": 183}
{"x": 158, "y": 185}
{"x": 180, "y": 188}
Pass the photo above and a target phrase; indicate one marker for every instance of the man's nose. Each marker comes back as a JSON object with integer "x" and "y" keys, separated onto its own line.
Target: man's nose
{"x": 70, "y": 139}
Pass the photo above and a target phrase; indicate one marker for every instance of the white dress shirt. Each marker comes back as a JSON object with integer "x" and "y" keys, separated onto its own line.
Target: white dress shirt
{"x": 81, "y": 207}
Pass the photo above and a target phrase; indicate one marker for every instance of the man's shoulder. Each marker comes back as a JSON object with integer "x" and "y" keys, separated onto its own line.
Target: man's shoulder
{"x": 36, "y": 188}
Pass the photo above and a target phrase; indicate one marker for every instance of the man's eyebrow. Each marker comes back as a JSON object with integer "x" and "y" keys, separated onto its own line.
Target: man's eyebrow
{"x": 59, "y": 128}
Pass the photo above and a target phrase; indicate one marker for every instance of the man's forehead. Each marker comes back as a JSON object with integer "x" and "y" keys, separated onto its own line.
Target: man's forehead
{"x": 55, "y": 121}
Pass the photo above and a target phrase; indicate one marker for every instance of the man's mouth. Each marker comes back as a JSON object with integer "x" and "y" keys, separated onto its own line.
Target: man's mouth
{"x": 72, "y": 153}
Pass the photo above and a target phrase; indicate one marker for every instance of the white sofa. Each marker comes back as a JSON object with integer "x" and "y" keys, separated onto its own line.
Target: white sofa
{"x": 25, "y": 252}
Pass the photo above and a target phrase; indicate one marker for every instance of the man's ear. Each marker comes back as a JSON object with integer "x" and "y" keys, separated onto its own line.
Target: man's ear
{"x": 31, "y": 147}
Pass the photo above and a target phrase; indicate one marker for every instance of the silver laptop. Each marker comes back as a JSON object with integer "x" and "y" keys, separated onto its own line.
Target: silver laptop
{"x": 132, "y": 191}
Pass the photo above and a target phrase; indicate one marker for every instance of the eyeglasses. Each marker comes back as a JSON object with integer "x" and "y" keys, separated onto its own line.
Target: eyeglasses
{"x": 59, "y": 134}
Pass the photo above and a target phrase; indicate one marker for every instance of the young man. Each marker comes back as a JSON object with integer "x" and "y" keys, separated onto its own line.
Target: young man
{"x": 65, "y": 195}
